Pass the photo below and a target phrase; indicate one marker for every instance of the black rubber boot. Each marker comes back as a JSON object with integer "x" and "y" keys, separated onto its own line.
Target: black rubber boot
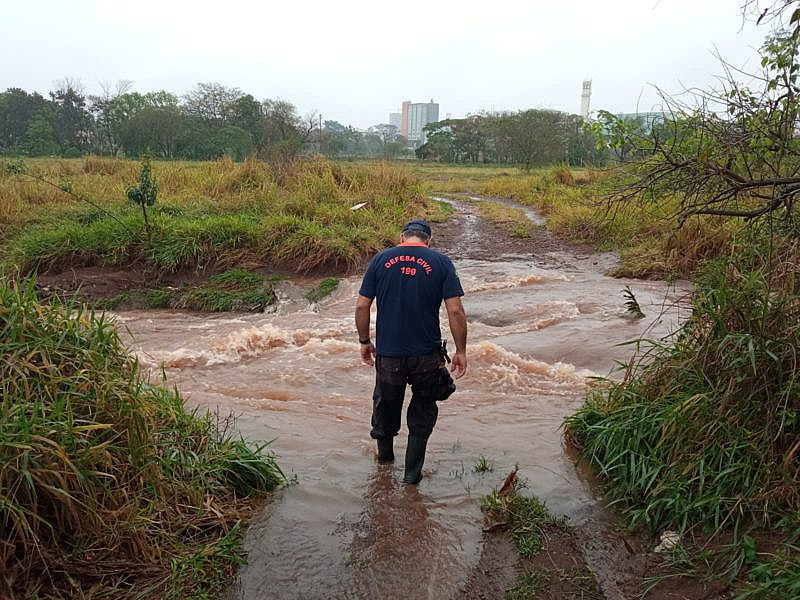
{"x": 385, "y": 450}
{"x": 415, "y": 458}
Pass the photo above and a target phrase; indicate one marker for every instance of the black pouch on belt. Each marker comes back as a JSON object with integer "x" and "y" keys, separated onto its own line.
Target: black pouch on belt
{"x": 445, "y": 386}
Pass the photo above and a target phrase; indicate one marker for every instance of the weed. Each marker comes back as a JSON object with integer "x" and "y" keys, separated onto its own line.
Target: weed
{"x": 529, "y": 584}
{"x": 704, "y": 431}
{"x": 483, "y": 465}
{"x": 632, "y": 304}
{"x": 232, "y": 290}
{"x": 325, "y": 288}
{"x": 216, "y": 214}
{"x": 526, "y": 517}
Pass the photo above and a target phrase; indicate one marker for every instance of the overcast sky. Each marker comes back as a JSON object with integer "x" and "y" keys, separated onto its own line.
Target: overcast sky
{"x": 355, "y": 61}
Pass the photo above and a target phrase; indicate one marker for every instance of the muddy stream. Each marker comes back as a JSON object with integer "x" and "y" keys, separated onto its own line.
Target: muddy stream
{"x": 542, "y": 318}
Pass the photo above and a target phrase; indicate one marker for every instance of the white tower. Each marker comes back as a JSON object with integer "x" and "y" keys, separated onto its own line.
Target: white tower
{"x": 585, "y": 96}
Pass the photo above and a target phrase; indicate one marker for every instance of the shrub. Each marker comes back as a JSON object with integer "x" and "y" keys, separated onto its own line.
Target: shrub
{"x": 706, "y": 429}
{"x": 107, "y": 482}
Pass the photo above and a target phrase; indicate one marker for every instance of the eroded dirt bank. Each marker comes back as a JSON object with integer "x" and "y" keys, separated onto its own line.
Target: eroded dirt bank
{"x": 543, "y": 317}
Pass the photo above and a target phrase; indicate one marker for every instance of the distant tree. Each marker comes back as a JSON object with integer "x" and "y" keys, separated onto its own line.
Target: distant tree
{"x": 540, "y": 139}
{"x": 73, "y": 122}
{"x": 248, "y": 114}
{"x": 285, "y": 132}
{"x": 153, "y": 129}
{"x": 107, "y": 117}
{"x": 17, "y": 108}
{"x": 392, "y": 143}
{"x": 212, "y": 102}
{"x": 439, "y": 144}
{"x": 40, "y": 139}
{"x": 232, "y": 141}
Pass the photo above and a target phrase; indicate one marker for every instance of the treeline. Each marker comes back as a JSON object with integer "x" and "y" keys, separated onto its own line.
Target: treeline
{"x": 530, "y": 137}
{"x": 210, "y": 121}
{"x": 213, "y": 120}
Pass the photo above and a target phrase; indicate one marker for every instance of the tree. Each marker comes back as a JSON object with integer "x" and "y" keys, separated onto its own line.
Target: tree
{"x": 39, "y": 137}
{"x": 232, "y": 141}
{"x": 108, "y": 119}
{"x": 285, "y": 132}
{"x": 152, "y": 129}
{"x": 212, "y": 102}
{"x": 144, "y": 194}
{"x": 734, "y": 151}
{"x": 17, "y": 108}
{"x": 73, "y": 122}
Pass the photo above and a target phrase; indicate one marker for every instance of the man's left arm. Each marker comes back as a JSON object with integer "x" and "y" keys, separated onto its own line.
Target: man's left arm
{"x": 363, "y": 305}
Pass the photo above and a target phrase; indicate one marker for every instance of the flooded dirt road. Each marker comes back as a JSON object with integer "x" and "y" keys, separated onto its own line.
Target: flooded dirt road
{"x": 542, "y": 319}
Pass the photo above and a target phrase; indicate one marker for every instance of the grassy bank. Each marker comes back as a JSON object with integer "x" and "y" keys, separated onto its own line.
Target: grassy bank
{"x": 702, "y": 433}
{"x": 218, "y": 214}
{"x": 509, "y": 219}
{"x": 574, "y": 204}
{"x": 232, "y": 290}
{"x": 650, "y": 245}
{"x": 109, "y": 488}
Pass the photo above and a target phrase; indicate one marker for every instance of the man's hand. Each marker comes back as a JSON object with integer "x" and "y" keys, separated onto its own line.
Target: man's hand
{"x": 458, "y": 366}
{"x": 368, "y": 354}
{"x": 362, "y": 325}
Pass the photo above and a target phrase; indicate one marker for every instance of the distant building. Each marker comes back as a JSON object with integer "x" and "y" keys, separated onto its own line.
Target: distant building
{"x": 414, "y": 118}
{"x": 396, "y": 119}
{"x": 586, "y": 96}
{"x": 647, "y": 119}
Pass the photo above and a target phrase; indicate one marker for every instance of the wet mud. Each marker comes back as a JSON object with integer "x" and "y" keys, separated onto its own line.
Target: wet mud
{"x": 543, "y": 318}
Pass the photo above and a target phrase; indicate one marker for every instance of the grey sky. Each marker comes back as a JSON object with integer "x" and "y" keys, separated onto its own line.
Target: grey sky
{"x": 355, "y": 61}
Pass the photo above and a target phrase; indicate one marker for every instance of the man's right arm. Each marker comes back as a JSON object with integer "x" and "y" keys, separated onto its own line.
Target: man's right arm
{"x": 458, "y": 327}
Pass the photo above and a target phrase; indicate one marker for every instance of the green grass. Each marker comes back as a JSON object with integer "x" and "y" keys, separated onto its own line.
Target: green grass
{"x": 527, "y": 517}
{"x": 702, "y": 432}
{"x": 509, "y": 219}
{"x": 325, "y": 288}
{"x": 483, "y": 465}
{"x": 233, "y": 290}
{"x": 530, "y": 583}
{"x": 121, "y": 491}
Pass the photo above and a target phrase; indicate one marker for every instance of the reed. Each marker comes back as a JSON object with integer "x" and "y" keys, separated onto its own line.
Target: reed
{"x": 109, "y": 487}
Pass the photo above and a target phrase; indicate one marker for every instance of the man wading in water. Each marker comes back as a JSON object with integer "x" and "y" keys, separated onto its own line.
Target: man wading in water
{"x": 410, "y": 281}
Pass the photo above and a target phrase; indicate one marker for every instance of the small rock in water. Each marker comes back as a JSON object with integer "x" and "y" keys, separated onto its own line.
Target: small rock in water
{"x": 669, "y": 539}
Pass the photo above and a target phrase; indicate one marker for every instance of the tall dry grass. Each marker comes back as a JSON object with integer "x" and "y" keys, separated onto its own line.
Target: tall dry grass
{"x": 214, "y": 213}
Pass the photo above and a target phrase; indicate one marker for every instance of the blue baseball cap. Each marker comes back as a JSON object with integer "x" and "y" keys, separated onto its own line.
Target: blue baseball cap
{"x": 419, "y": 226}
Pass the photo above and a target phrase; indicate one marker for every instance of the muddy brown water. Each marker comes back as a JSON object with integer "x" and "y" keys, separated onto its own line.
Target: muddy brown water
{"x": 540, "y": 323}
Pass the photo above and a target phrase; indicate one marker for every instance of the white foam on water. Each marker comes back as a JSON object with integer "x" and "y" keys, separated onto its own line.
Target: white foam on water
{"x": 498, "y": 368}
{"x": 248, "y": 343}
{"x": 476, "y": 283}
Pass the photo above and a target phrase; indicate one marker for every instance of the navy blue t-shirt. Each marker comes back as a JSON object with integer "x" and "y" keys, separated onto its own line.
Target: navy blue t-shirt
{"x": 410, "y": 281}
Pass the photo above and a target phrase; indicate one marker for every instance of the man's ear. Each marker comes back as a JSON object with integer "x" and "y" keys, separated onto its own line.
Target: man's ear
{"x": 428, "y": 243}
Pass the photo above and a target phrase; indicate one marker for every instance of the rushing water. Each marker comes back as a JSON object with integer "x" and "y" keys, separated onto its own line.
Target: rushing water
{"x": 348, "y": 528}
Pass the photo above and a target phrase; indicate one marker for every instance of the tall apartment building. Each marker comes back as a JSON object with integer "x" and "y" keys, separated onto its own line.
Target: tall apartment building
{"x": 396, "y": 119}
{"x": 414, "y": 117}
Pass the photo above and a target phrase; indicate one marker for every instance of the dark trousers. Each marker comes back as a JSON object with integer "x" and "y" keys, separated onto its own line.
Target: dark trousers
{"x": 391, "y": 376}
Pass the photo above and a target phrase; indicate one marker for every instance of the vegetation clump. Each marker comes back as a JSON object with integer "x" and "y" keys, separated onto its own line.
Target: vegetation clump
{"x": 232, "y": 290}
{"x": 704, "y": 431}
{"x": 325, "y": 288}
{"x": 508, "y": 218}
{"x": 109, "y": 488}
